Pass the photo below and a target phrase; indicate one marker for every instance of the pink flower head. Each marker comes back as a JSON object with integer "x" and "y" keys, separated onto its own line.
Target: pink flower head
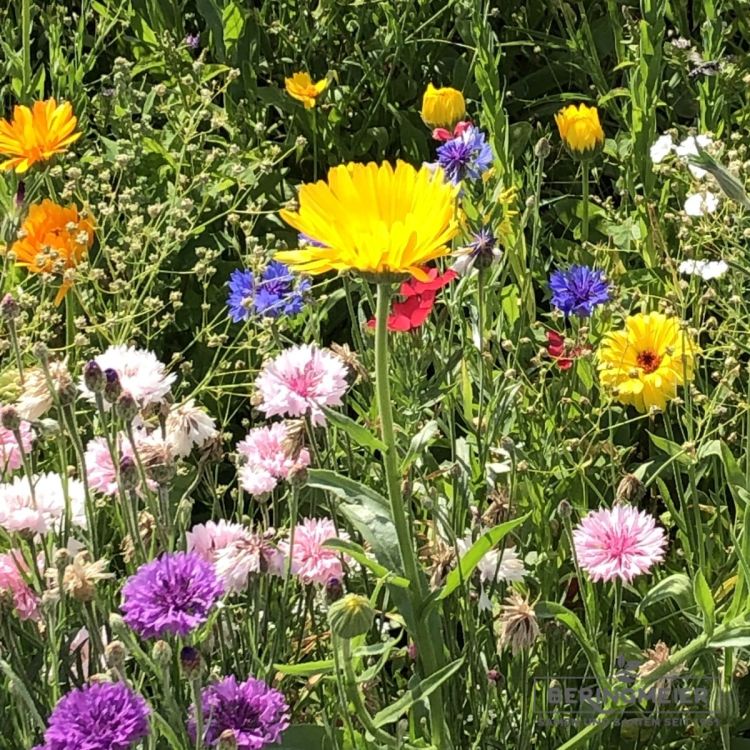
{"x": 311, "y": 561}
{"x": 141, "y": 374}
{"x": 208, "y": 539}
{"x": 10, "y": 454}
{"x": 300, "y": 380}
{"x": 266, "y": 459}
{"x": 44, "y": 510}
{"x": 621, "y": 542}
{"x": 25, "y": 601}
{"x": 237, "y": 561}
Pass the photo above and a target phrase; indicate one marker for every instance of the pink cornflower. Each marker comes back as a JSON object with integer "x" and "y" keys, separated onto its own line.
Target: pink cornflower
{"x": 311, "y": 561}
{"x": 187, "y": 426}
{"x": 25, "y": 601}
{"x": 267, "y": 460}
{"x": 301, "y": 380}
{"x": 44, "y": 510}
{"x": 140, "y": 373}
{"x": 10, "y": 454}
{"x": 621, "y": 542}
{"x": 208, "y": 539}
{"x": 236, "y": 562}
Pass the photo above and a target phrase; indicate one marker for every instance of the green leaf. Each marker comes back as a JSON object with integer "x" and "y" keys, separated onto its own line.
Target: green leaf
{"x": 677, "y": 587}
{"x": 324, "y": 666}
{"x": 475, "y": 553}
{"x": 356, "y": 552}
{"x": 705, "y": 601}
{"x": 304, "y": 737}
{"x": 421, "y": 690}
{"x": 419, "y": 444}
{"x": 357, "y": 432}
{"x": 166, "y": 730}
{"x": 671, "y": 449}
{"x": 731, "y": 636}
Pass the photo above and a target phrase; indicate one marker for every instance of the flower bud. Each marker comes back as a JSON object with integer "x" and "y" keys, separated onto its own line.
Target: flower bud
{"x": 112, "y": 387}
{"x": 9, "y": 308}
{"x": 630, "y": 489}
{"x": 542, "y": 148}
{"x": 67, "y": 393}
{"x": 227, "y": 740}
{"x": 126, "y": 407}
{"x": 191, "y": 662}
{"x": 334, "y": 590}
{"x": 115, "y": 654}
{"x": 128, "y": 473}
{"x": 93, "y": 377}
{"x": 9, "y": 418}
{"x": 41, "y": 352}
{"x": 564, "y": 509}
{"x": 351, "y": 616}
{"x": 161, "y": 653}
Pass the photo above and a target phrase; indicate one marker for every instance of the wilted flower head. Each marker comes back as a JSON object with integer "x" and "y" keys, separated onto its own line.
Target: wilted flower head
{"x": 267, "y": 460}
{"x": 466, "y": 157}
{"x": 655, "y": 657}
{"x": 139, "y": 372}
{"x": 36, "y": 398}
{"x": 81, "y": 576}
{"x": 310, "y": 560}
{"x": 188, "y": 426}
{"x": 442, "y": 107}
{"x": 622, "y": 542}
{"x": 518, "y": 626}
{"x": 252, "y": 712}
{"x": 36, "y": 134}
{"x": 302, "y": 88}
{"x": 578, "y": 290}
{"x": 299, "y": 381}
{"x": 173, "y": 594}
{"x": 101, "y": 716}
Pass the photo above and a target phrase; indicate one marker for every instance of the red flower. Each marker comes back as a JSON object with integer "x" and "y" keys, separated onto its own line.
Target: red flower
{"x": 564, "y": 357}
{"x": 442, "y": 134}
{"x": 419, "y": 299}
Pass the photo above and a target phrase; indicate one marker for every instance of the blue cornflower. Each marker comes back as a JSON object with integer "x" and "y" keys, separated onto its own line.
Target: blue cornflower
{"x": 579, "y": 290}
{"x": 481, "y": 252}
{"x": 276, "y": 292}
{"x": 466, "y": 156}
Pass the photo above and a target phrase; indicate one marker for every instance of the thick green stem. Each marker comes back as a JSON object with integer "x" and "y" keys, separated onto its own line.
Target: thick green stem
{"x": 426, "y": 647}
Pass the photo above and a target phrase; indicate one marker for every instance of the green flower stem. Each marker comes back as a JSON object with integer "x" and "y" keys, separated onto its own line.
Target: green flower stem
{"x": 195, "y": 689}
{"x": 26, "y": 45}
{"x": 426, "y": 647}
{"x": 615, "y": 624}
{"x": 585, "y": 170}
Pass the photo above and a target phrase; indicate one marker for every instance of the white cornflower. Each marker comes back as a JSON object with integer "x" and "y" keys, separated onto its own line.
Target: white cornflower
{"x": 700, "y": 204}
{"x": 187, "y": 426}
{"x": 706, "y": 269}
{"x": 662, "y": 148}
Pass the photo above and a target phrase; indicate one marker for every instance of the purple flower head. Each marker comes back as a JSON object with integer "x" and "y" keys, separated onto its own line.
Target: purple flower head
{"x": 277, "y": 292}
{"x": 579, "y": 290}
{"x": 193, "y": 41}
{"x": 173, "y": 594}
{"x": 256, "y": 714}
{"x": 102, "y": 716}
{"x": 465, "y": 157}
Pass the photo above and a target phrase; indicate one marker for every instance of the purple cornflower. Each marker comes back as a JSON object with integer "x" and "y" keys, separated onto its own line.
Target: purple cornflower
{"x": 102, "y": 716}
{"x": 579, "y": 290}
{"x": 254, "y": 713}
{"x": 277, "y": 292}
{"x": 193, "y": 41}
{"x": 466, "y": 156}
{"x": 173, "y": 594}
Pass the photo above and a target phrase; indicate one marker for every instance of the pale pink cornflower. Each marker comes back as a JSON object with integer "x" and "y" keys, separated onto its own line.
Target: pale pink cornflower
{"x": 300, "y": 380}
{"x": 140, "y": 372}
{"x": 621, "y": 542}
{"x": 13, "y": 584}
{"x": 100, "y": 468}
{"x": 187, "y": 425}
{"x": 208, "y": 539}
{"x": 45, "y": 510}
{"x": 310, "y": 560}
{"x": 267, "y": 460}
{"x": 10, "y": 454}
{"x": 236, "y": 562}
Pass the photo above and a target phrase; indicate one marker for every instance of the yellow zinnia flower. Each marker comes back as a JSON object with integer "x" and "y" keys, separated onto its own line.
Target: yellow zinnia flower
{"x": 301, "y": 87}
{"x": 37, "y": 134}
{"x": 644, "y": 363}
{"x": 442, "y": 108}
{"x": 53, "y": 239}
{"x": 580, "y": 128}
{"x": 374, "y": 219}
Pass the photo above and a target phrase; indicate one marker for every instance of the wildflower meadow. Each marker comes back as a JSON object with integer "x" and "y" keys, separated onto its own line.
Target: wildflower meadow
{"x": 374, "y": 375}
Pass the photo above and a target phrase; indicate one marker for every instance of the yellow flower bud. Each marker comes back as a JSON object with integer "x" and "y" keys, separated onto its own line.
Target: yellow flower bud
{"x": 580, "y": 128}
{"x": 443, "y": 107}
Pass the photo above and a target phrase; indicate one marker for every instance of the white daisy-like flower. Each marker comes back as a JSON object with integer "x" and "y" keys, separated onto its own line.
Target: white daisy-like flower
{"x": 701, "y": 204}
{"x": 187, "y": 425}
{"x": 141, "y": 373}
{"x": 706, "y": 269}
{"x": 661, "y": 149}
{"x": 689, "y": 147}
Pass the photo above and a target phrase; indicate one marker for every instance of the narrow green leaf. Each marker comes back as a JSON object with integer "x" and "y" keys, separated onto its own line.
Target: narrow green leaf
{"x": 357, "y": 432}
{"x": 356, "y": 552}
{"x": 419, "y": 444}
{"x": 421, "y": 690}
{"x": 677, "y": 587}
{"x": 705, "y": 601}
{"x": 731, "y": 636}
{"x": 324, "y": 666}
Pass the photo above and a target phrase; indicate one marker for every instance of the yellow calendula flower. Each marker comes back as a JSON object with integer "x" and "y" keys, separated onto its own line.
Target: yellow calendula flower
{"x": 52, "y": 240}
{"x": 443, "y": 107}
{"x": 37, "y": 134}
{"x": 375, "y": 219}
{"x": 301, "y": 87}
{"x": 645, "y": 362}
{"x": 580, "y": 128}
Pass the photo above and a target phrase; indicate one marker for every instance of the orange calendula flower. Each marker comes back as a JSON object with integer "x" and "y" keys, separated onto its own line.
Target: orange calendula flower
{"x": 373, "y": 218}
{"x": 37, "y": 134}
{"x": 52, "y": 240}
{"x": 580, "y": 128}
{"x": 301, "y": 87}
{"x": 645, "y": 362}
